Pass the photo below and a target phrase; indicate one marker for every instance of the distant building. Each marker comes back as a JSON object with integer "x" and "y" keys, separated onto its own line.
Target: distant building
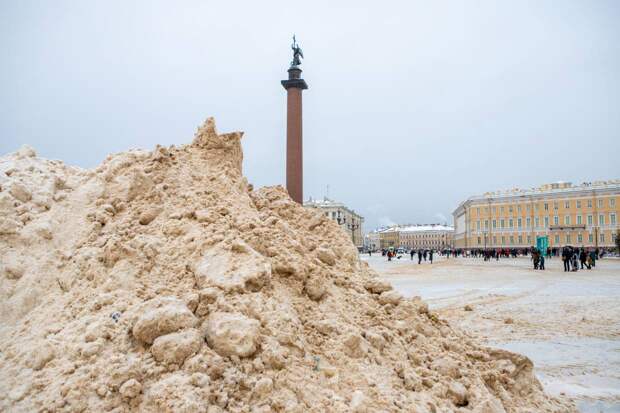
{"x": 350, "y": 221}
{"x": 583, "y": 215}
{"x": 431, "y": 236}
{"x": 372, "y": 240}
{"x": 388, "y": 237}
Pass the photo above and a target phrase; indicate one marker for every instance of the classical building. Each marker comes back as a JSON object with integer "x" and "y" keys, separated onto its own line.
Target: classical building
{"x": 388, "y": 237}
{"x": 348, "y": 219}
{"x": 372, "y": 240}
{"x": 578, "y": 215}
{"x": 432, "y": 236}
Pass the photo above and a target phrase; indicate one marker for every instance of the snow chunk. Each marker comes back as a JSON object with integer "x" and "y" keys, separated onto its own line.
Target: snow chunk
{"x": 162, "y": 316}
{"x": 232, "y": 334}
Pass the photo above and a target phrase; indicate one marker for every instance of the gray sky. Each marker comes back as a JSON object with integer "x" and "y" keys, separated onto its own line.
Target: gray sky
{"x": 412, "y": 106}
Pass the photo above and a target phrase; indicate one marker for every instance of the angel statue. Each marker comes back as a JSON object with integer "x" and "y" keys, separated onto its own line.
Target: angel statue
{"x": 297, "y": 53}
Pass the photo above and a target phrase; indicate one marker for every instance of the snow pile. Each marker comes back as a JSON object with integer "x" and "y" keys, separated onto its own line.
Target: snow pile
{"x": 161, "y": 281}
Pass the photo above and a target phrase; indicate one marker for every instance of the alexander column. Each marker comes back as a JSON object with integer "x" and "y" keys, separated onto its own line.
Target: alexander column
{"x": 294, "y": 143}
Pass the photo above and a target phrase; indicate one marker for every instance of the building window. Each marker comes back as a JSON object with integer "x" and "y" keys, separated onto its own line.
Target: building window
{"x": 579, "y": 220}
{"x": 566, "y": 204}
{"x": 555, "y": 205}
{"x": 546, "y": 222}
{"x": 503, "y": 240}
{"x": 519, "y": 222}
{"x": 612, "y": 219}
{"x": 556, "y": 220}
{"x": 600, "y": 203}
{"x": 579, "y": 238}
{"x": 518, "y": 208}
{"x": 494, "y": 210}
{"x": 566, "y": 219}
{"x": 478, "y": 211}
{"x": 510, "y": 209}
{"x": 612, "y": 202}
{"x": 486, "y": 224}
{"x": 501, "y": 223}
{"x": 478, "y": 240}
{"x": 527, "y": 207}
{"x": 590, "y": 220}
{"x": 546, "y": 206}
{"x": 557, "y": 240}
{"x": 589, "y": 203}
{"x": 568, "y": 238}
{"x": 578, "y": 204}
{"x": 501, "y": 210}
{"x": 528, "y": 221}
{"x": 512, "y": 240}
{"x": 602, "y": 237}
{"x": 520, "y": 239}
{"x": 478, "y": 225}
{"x": 601, "y": 219}
{"x": 495, "y": 240}
{"x": 590, "y": 238}
{"x": 529, "y": 240}
{"x": 510, "y": 223}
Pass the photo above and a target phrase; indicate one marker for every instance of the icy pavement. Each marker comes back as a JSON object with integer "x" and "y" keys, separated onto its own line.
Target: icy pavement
{"x": 567, "y": 323}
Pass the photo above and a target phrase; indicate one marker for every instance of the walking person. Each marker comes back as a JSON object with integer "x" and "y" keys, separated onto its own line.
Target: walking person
{"x": 430, "y": 256}
{"x": 574, "y": 261}
{"x": 412, "y": 252}
{"x": 582, "y": 257}
{"x": 419, "y": 256}
{"x": 566, "y": 259}
{"x": 541, "y": 266}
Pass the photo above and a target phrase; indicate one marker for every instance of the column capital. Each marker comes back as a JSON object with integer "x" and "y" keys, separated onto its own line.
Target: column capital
{"x": 294, "y": 79}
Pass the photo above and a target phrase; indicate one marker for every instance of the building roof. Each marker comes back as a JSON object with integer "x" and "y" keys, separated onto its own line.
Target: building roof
{"x": 329, "y": 203}
{"x": 414, "y": 228}
{"x": 546, "y": 189}
{"x": 421, "y": 228}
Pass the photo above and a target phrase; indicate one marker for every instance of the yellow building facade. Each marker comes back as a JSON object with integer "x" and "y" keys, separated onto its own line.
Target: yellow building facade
{"x": 389, "y": 238}
{"x": 584, "y": 215}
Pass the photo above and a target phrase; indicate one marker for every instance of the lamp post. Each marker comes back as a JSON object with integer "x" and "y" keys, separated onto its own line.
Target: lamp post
{"x": 352, "y": 226}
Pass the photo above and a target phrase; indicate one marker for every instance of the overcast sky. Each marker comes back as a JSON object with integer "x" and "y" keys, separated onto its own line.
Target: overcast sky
{"x": 412, "y": 106}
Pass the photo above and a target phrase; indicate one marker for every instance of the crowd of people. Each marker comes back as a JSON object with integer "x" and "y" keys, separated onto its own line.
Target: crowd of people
{"x": 573, "y": 258}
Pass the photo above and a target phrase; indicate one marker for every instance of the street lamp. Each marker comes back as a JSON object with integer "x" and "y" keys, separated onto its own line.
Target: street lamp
{"x": 352, "y": 226}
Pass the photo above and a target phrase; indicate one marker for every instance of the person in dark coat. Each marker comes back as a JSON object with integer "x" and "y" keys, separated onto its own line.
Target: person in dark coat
{"x": 419, "y": 256}
{"x": 430, "y": 256}
{"x": 566, "y": 254}
{"x": 412, "y": 252}
{"x": 582, "y": 257}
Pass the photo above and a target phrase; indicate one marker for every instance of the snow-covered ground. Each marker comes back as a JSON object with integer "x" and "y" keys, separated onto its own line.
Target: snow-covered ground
{"x": 567, "y": 323}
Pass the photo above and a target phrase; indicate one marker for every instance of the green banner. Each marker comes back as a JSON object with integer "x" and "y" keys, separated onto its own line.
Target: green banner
{"x": 542, "y": 243}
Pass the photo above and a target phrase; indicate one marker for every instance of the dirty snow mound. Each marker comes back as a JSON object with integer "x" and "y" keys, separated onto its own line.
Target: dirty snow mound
{"x": 161, "y": 281}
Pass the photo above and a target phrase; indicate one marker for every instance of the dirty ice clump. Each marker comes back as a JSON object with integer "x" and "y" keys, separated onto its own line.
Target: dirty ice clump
{"x": 162, "y": 281}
